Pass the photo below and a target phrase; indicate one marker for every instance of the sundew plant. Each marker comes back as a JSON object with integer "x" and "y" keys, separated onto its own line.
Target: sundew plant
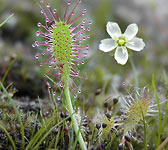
{"x": 84, "y": 83}
{"x": 63, "y": 41}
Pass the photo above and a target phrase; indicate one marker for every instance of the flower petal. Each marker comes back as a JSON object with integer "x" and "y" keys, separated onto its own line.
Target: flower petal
{"x": 121, "y": 55}
{"x": 131, "y": 31}
{"x": 113, "y": 29}
{"x": 107, "y": 45}
{"x": 136, "y": 44}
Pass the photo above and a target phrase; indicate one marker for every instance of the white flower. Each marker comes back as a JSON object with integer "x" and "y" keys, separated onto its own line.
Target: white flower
{"x": 121, "y": 42}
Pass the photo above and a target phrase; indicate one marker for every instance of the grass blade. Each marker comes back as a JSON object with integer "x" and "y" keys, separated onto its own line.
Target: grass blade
{"x": 43, "y": 138}
{"x": 8, "y": 69}
{"x": 166, "y": 106}
{"x": 163, "y": 144}
{"x": 17, "y": 113}
{"x": 40, "y": 132}
{"x": 6, "y": 20}
{"x": 9, "y": 137}
{"x": 159, "y": 109}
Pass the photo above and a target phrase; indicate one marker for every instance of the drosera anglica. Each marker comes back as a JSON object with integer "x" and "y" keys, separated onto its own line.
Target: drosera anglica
{"x": 65, "y": 51}
{"x": 63, "y": 36}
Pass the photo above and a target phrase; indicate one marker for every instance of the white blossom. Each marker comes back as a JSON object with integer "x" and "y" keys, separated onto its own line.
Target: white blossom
{"x": 121, "y": 42}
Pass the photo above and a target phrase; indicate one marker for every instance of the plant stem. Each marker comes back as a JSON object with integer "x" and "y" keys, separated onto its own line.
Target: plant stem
{"x": 74, "y": 121}
{"x": 135, "y": 72}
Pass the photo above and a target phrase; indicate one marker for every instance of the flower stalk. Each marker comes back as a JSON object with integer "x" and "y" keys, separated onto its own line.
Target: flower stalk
{"x": 74, "y": 121}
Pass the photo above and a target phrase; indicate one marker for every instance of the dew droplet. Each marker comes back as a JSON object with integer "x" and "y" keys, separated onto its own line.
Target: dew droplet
{"x": 79, "y": 1}
{"x": 38, "y": 33}
{"x": 47, "y": 20}
{"x": 37, "y": 56}
{"x": 82, "y": 26}
{"x": 68, "y": 3}
{"x": 84, "y": 38}
{"x": 84, "y": 11}
{"x": 59, "y": 98}
{"x": 72, "y": 13}
{"x": 82, "y": 62}
{"x": 42, "y": 11}
{"x": 48, "y": 5}
{"x": 90, "y": 22}
{"x": 54, "y": 11}
{"x": 79, "y": 91}
{"x": 88, "y": 29}
{"x": 37, "y": 43}
{"x": 75, "y": 96}
{"x": 39, "y": 24}
{"x": 74, "y": 40}
{"x": 88, "y": 36}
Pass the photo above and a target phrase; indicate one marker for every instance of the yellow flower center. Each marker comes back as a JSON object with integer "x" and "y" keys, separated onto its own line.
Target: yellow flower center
{"x": 121, "y": 41}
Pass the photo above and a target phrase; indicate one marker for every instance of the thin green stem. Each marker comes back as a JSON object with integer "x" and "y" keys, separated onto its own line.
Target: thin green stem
{"x": 159, "y": 109}
{"x": 74, "y": 121}
{"x": 135, "y": 72}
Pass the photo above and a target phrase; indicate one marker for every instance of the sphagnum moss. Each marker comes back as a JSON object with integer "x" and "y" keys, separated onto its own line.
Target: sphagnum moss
{"x": 63, "y": 41}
